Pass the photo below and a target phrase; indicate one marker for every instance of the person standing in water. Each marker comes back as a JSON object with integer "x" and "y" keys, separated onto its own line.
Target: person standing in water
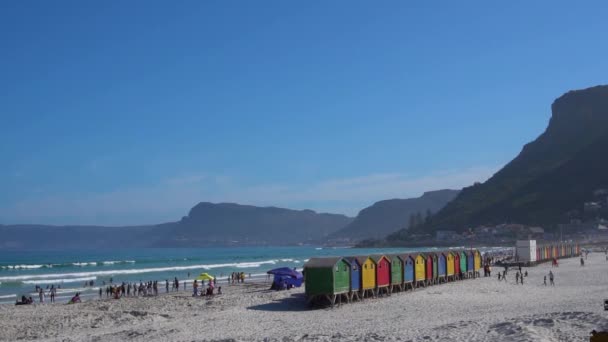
{"x": 53, "y": 294}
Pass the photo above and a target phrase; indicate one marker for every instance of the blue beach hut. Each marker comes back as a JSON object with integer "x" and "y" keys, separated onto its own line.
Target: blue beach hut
{"x": 442, "y": 269}
{"x": 355, "y": 277}
{"x": 471, "y": 263}
{"x": 408, "y": 270}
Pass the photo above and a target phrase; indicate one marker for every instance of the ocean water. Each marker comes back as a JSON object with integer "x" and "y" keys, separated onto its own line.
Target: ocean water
{"x": 21, "y": 271}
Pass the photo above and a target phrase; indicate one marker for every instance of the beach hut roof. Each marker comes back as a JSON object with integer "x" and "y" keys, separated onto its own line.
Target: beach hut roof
{"x": 361, "y": 259}
{"x": 377, "y": 257}
{"x": 406, "y": 256}
{"x": 324, "y": 262}
{"x": 393, "y": 256}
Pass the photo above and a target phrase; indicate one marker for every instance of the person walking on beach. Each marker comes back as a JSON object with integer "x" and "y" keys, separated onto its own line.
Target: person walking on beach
{"x": 551, "y": 278}
{"x": 545, "y": 281}
{"x": 100, "y": 292}
{"x": 521, "y": 278}
{"x": 498, "y": 276}
{"x": 41, "y": 295}
{"x": 582, "y": 262}
{"x": 517, "y": 278}
{"x": 166, "y": 285}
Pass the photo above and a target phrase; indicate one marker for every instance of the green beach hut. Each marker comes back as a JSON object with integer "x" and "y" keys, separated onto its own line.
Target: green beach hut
{"x": 327, "y": 278}
{"x": 396, "y": 272}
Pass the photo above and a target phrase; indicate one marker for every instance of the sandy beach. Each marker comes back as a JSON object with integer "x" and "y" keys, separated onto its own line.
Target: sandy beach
{"x": 483, "y": 309}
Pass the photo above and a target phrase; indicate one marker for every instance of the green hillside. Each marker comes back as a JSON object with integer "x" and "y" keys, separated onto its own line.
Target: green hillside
{"x": 552, "y": 175}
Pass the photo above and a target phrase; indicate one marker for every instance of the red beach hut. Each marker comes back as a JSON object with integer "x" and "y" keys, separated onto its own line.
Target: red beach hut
{"x": 456, "y": 265}
{"x": 429, "y": 269}
{"x": 383, "y": 272}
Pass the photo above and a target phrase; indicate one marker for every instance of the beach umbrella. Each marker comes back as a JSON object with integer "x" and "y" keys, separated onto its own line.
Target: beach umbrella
{"x": 205, "y": 276}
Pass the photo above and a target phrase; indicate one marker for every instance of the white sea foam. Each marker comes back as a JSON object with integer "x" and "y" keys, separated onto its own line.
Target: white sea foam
{"x": 8, "y": 296}
{"x": 118, "y": 262}
{"x": 81, "y": 264}
{"x": 135, "y": 271}
{"x": 26, "y": 267}
{"x": 58, "y": 281}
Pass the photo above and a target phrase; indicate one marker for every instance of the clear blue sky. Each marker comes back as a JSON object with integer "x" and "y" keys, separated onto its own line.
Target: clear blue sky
{"x": 129, "y": 112}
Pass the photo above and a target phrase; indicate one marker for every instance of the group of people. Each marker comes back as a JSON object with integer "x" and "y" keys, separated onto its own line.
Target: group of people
{"x": 42, "y": 294}
{"x": 149, "y": 288}
{"x": 52, "y": 292}
{"x": 519, "y": 276}
{"x": 487, "y": 270}
{"x": 208, "y": 291}
{"x": 237, "y": 277}
{"x": 551, "y": 279}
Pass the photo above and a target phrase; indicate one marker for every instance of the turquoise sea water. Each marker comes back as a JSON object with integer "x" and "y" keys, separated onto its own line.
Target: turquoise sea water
{"x": 21, "y": 271}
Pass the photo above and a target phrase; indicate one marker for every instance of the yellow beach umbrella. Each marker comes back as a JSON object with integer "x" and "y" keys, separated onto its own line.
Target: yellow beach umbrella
{"x": 205, "y": 276}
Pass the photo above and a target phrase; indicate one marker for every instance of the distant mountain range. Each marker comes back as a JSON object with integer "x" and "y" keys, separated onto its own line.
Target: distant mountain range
{"x": 234, "y": 223}
{"x": 388, "y": 216}
{"x": 209, "y": 224}
{"x": 552, "y": 176}
{"x": 206, "y": 224}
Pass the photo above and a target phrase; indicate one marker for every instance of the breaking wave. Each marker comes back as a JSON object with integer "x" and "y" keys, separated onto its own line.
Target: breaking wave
{"x": 59, "y": 281}
{"x": 45, "y": 277}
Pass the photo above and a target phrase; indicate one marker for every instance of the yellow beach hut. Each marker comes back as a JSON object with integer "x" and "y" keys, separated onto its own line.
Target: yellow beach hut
{"x": 419, "y": 269}
{"x": 449, "y": 256}
{"x": 368, "y": 275}
{"x": 477, "y": 262}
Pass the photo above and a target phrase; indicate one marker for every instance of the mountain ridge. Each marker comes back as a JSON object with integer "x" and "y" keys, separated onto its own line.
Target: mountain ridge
{"x": 578, "y": 128}
{"x": 387, "y": 216}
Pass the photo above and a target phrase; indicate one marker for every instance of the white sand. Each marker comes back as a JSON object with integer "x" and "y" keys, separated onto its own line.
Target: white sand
{"x": 471, "y": 310}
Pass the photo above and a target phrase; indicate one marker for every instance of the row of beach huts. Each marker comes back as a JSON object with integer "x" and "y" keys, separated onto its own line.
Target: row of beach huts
{"x": 332, "y": 278}
{"x": 358, "y": 277}
{"x": 556, "y": 251}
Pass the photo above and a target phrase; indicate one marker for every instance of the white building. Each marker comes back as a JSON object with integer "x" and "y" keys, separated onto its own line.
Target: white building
{"x": 525, "y": 250}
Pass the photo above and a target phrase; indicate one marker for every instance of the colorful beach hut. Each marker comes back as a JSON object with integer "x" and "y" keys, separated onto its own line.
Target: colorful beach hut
{"x": 396, "y": 272}
{"x": 419, "y": 270}
{"x": 408, "y": 270}
{"x": 355, "y": 277}
{"x": 327, "y": 278}
{"x": 478, "y": 262}
{"x": 471, "y": 264}
{"x": 442, "y": 271}
{"x": 435, "y": 268}
{"x": 383, "y": 273}
{"x": 463, "y": 264}
{"x": 368, "y": 276}
{"x": 456, "y": 265}
{"x": 450, "y": 265}
{"x": 428, "y": 259}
